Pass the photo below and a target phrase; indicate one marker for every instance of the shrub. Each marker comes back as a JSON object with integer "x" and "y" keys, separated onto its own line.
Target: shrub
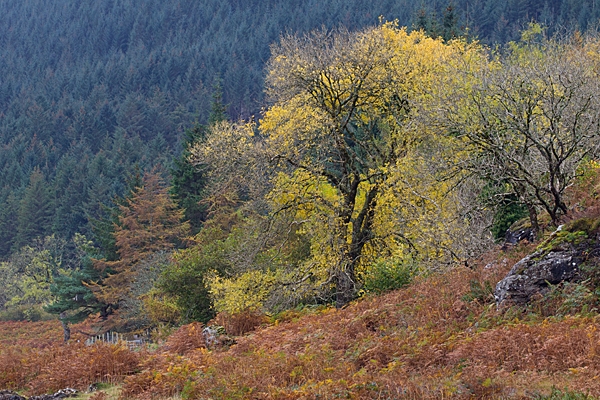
{"x": 386, "y": 275}
{"x": 185, "y": 339}
{"x": 240, "y": 323}
{"x": 161, "y": 307}
{"x": 482, "y": 293}
{"x": 32, "y": 313}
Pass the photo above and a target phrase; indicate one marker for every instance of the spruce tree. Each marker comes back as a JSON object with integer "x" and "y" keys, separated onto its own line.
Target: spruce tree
{"x": 422, "y": 20}
{"x": 188, "y": 180}
{"x": 8, "y": 209}
{"x": 218, "y": 110}
{"x": 35, "y": 211}
{"x": 103, "y": 227}
{"x": 450, "y": 29}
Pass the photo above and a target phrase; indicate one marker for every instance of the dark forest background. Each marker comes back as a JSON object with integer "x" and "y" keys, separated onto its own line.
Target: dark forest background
{"x": 94, "y": 92}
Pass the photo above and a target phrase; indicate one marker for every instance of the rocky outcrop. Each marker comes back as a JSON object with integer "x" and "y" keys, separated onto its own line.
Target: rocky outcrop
{"x": 61, "y": 394}
{"x": 533, "y": 273}
{"x": 518, "y": 234}
{"x": 558, "y": 259}
{"x": 215, "y": 336}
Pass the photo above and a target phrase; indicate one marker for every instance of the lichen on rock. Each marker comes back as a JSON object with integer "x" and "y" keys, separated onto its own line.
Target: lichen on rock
{"x": 557, "y": 259}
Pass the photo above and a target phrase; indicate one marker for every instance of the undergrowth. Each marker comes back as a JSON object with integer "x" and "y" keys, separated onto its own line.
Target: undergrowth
{"x": 439, "y": 336}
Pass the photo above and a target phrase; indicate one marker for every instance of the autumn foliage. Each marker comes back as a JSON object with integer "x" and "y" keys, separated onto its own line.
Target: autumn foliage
{"x": 33, "y": 358}
{"x": 438, "y": 337}
{"x": 150, "y": 224}
{"x": 361, "y": 188}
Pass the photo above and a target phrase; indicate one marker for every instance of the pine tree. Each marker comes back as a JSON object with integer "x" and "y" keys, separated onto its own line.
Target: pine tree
{"x": 71, "y": 184}
{"x": 73, "y": 300}
{"x": 103, "y": 227}
{"x": 188, "y": 181}
{"x": 218, "y": 110}
{"x": 450, "y": 28}
{"x": 8, "y": 209}
{"x": 422, "y": 20}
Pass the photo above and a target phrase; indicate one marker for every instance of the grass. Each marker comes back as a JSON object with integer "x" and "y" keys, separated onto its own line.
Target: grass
{"x": 104, "y": 391}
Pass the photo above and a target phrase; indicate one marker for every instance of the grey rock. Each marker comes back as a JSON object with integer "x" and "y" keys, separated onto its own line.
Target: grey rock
{"x": 532, "y": 274}
{"x": 518, "y": 235}
{"x": 61, "y": 394}
{"x": 10, "y": 395}
{"x": 215, "y": 337}
{"x": 212, "y": 335}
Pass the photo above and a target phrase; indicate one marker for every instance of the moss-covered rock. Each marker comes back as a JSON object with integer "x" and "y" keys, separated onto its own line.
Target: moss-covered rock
{"x": 557, "y": 259}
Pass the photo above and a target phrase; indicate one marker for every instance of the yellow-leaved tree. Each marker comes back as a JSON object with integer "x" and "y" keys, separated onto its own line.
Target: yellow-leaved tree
{"x": 528, "y": 117}
{"x": 342, "y": 171}
{"x": 343, "y": 120}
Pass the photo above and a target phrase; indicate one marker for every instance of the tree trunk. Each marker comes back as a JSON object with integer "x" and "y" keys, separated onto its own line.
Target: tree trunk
{"x": 345, "y": 286}
{"x": 533, "y": 220}
{"x": 65, "y": 326}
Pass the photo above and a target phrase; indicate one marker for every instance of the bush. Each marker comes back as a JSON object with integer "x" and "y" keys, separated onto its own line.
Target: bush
{"x": 386, "y": 275}
{"x": 482, "y": 293}
{"x": 31, "y": 313}
{"x": 240, "y": 323}
{"x": 185, "y": 339}
{"x": 566, "y": 395}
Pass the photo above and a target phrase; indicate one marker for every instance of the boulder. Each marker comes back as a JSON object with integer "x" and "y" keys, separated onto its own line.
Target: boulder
{"x": 10, "y": 395}
{"x": 61, "y": 394}
{"x": 519, "y": 231}
{"x": 532, "y": 274}
{"x": 215, "y": 336}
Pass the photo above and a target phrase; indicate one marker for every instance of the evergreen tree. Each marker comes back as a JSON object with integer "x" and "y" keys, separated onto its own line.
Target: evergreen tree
{"x": 71, "y": 186}
{"x": 187, "y": 179}
{"x": 8, "y": 209}
{"x": 103, "y": 227}
{"x": 218, "y": 110}
{"x": 35, "y": 211}
{"x": 422, "y": 21}
{"x": 73, "y": 300}
{"x": 450, "y": 29}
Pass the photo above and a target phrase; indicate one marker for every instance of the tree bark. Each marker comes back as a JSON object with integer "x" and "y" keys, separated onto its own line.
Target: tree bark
{"x": 345, "y": 286}
{"x": 65, "y": 326}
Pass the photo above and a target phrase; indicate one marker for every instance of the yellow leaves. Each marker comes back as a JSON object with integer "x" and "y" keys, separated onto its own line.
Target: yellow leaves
{"x": 292, "y": 125}
{"x": 248, "y": 291}
{"x": 345, "y": 119}
{"x": 309, "y": 192}
{"x": 225, "y": 141}
{"x": 420, "y": 208}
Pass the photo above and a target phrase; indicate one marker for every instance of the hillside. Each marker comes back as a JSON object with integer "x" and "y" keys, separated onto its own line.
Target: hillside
{"x": 93, "y": 91}
{"x": 414, "y": 214}
{"x": 440, "y": 337}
